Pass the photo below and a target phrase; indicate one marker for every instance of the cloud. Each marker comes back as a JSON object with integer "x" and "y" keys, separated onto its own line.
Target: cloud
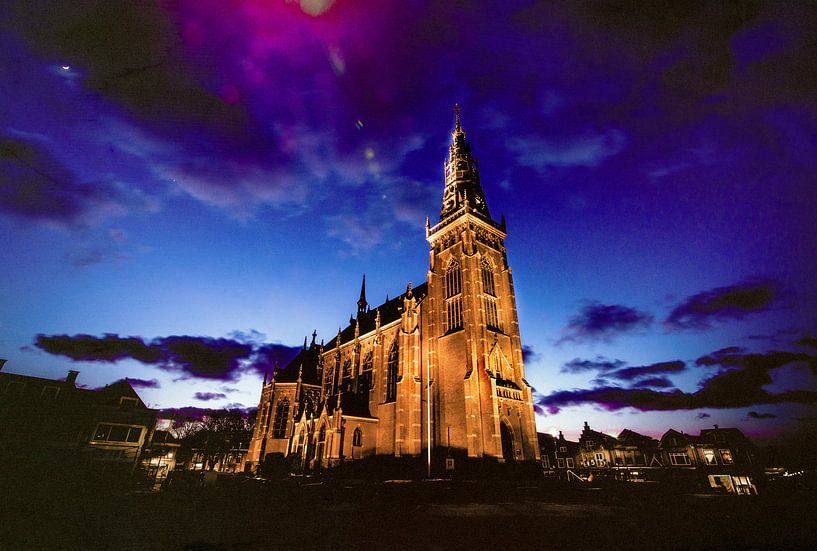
{"x": 704, "y": 416}
{"x": 143, "y": 383}
{"x": 808, "y": 341}
{"x": 732, "y": 302}
{"x": 756, "y": 415}
{"x": 588, "y": 150}
{"x": 207, "y": 396}
{"x": 601, "y": 363}
{"x": 200, "y": 357}
{"x": 740, "y": 383}
{"x": 631, "y": 373}
{"x": 601, "y": 322}
{"x": 36, "y": 186}
{"x": 529, "y": 355}
{"x": 653, "y": 382}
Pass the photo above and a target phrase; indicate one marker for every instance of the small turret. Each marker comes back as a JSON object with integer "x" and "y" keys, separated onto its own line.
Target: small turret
{"x": 361, "y": 302}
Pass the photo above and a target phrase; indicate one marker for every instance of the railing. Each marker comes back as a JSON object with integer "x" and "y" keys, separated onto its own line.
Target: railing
{"x": 512, "y": 393}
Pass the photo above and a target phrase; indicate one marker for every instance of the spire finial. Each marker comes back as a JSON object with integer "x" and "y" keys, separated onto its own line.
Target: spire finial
{"x": 457, "y": 112}
{"x": 304, "y": 342}
{"x": 361, "y": 302}
{"x": 314, "y": 335}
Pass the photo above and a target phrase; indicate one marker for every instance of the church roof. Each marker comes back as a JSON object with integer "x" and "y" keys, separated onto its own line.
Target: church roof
{"x": 305, "y": 363}
{"x": 350, "y": 404}
{"x": 390, "y": 311}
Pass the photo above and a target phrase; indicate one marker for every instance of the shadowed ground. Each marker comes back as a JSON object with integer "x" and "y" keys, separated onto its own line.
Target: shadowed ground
{"x": 357, "y": 514}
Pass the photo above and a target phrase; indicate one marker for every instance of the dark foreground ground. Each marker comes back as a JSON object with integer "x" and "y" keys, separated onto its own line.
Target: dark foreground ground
{"x": 355, "y": 514}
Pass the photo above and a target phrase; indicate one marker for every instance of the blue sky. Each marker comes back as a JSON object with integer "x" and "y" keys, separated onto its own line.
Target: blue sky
{"x": 212, "y": 180}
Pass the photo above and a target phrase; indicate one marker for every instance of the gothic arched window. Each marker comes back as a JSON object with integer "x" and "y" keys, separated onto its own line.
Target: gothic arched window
{"x": 279, "y": 427}
{"x": 453, "y": 296}
{"x": 347, "y": 369}
{"x": 488, "y": 278}
{"x": 391, "y": 373}
{"x": 357, "y": 437}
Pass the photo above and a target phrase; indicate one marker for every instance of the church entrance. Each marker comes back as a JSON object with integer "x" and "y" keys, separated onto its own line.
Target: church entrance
{"x": 507, "y": 442}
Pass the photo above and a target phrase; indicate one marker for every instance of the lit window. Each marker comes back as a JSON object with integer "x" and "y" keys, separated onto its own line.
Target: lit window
{"x": 391, "y": 374}
{"x": 453, "y": 290}
{"x": 279, "y": 427}
{"x": 491, "y": 316}
{"x": 679, "y": 459}
{"x": 488, "y": 279}
{"x": 709, "y": 457}
{"x": 726, "y": 457}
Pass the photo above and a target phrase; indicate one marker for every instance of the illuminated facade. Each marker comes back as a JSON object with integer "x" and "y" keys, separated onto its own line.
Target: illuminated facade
{"x": 452, "y": 343}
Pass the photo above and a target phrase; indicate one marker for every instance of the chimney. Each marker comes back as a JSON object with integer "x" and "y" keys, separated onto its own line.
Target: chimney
{"x": 72, "y": 377}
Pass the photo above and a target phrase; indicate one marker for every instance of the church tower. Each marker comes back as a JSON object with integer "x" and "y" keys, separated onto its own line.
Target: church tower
{"x": 482, "y": 405}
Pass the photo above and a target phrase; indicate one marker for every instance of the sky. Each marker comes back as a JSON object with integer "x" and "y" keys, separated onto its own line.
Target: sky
{"x": 188, "y": 188}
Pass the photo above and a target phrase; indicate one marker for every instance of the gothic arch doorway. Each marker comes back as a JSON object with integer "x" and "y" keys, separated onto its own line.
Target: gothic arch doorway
{"x": 506, "y": 432}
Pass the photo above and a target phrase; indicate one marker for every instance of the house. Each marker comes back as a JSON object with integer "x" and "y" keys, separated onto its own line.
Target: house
{"x": 52, "y": 424}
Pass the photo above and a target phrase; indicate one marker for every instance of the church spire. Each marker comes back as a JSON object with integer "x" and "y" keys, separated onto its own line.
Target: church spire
{"x": 463, "y": 191}
{"x": 361, "y": 302}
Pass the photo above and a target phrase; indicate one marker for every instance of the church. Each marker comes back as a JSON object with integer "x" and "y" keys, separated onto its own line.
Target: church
{"x": 435, "y": 372}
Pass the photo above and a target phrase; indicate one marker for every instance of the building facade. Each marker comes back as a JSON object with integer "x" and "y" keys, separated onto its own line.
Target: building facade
{"x": 434, "y": 372}
{"x": 55, "y": 423}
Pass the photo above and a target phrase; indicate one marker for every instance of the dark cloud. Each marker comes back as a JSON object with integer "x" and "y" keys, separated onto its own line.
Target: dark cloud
{"x": 201, "y": 357}
{"x": 207, "y": 396}
{"x": 131, "y": 53}
{"x": 740, "y": 383}
{"x": 704, "y": 416}
{"x": 756, "y": 415}
{"x": 653, "y": 382}
{"x": 601, "y": 322}
{"x": 108, "y": 348}
{"x": 631, "y": 373}
{"x": 601, "y": 363}
{"x": 269, "y": 357}
{"x": 35, "y": 185}
{"x": 733, "y": 302}
{"x": 808, "y": 341}
{"x": 143, "y": 383}
{"x": 529, "y": 355}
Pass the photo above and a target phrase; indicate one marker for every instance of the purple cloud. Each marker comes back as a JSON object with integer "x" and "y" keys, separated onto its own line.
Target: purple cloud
{"x": 601, "y": 322}
{"x": 741, "y": 384}
{"x": 732, "y": 302}
{"x": 653, "y": 382}
{"x": 200, "y": 357}
{"x": 601, "y": 363}
{"x": 35, "y": 186}
{"x": 529, "y": 355}
{"x": 631, "y": 373}
{"x": 143, "y": 383}
{"x": 756, "y": 415}
{"x": 207, "y": 396}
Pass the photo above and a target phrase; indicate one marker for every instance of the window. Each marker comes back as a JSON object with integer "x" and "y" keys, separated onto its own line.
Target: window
{"x": 279, "y": 427}
{"x": 569, "y": 462}
{"x": 117, "y": 433}
{"x": 726, "y": 457}
{"x": 491, "y": 316}
{"x": 599, "y": 457}
{"x": 347, "y": 369}
{"x": 709, "y": 457}
{"x": 15, "y": 388}
{"x": 679, "y": 459}
{"x": 453, "y": 290}
{"x": 391, "y": 374}
{"x": 562, "y": 449}
{"x": 545, "y": 462}
{"x": 561, "y": 463}
{"x": 127, "y": 403}
{"x": 49, "y": 393}
{"x": 357, "y": 437}
{"x": 368, "y": 361}
{"x": 488, "y": 279}
{"x": 589, "y": 445}
{"x": 453, "y": 282}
